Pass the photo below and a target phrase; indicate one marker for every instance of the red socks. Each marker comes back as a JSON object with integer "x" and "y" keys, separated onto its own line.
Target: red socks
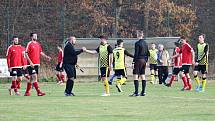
{"x": 36, "y": 86}
{"x": 189, "y": 83}
{"x": 29, "y": 85}
{"x": 18, "y": 84}
{"x": 172, "y": 79}
{"x": 62, "y": 78}
{"x": 58, "y": 77}
{"x": 185, "y": 81}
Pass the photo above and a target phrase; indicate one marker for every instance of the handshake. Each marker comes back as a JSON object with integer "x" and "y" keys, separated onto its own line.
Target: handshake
{"x": 84, "y": 49}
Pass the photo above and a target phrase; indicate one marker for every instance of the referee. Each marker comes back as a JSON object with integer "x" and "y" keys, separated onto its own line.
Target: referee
{"x": 140, "y": 59}
{"x": 69, "y": 61}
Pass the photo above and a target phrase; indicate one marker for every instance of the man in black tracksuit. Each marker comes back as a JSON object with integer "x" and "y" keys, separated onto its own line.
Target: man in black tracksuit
{"x": 69, "y": 62}
{"x": 140, "y": 59}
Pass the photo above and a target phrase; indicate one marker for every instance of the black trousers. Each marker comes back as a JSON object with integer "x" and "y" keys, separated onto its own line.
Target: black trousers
{"x": 162, "y": 74}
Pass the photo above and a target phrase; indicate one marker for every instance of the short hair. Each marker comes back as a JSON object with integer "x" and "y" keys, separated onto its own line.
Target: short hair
{"x": 60, "y": 46}
{"x": 119, "y": 41}
{"x": 202, "y": 34}
{"x": 103, "y": 37}
{"x": 14, "y": 37}
{"x": 140, "y": 33}
{"x": 31, "y": 34}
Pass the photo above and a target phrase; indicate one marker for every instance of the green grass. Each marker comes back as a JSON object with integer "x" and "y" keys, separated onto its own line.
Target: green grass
{"x": 160, "y": 104}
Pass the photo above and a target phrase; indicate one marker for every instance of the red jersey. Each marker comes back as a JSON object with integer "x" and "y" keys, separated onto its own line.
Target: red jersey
{"x": 15, "y": 56}
{"x": 186, "y": 54}
{"x": 60, "y": 56}
{"x": 177, "y": 60}
{"x": 34, "y": 50}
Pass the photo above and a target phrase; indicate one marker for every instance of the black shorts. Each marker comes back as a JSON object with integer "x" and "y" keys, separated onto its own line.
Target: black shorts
{"x": 176, "y": 71}
{"x": 139, "y": 67}
{"x": 34, "y": 70}
{"x": 70, "y": 70}
{"x": 185, "y": 68}
{"x": 153, "y": 67}
{"x": 105, "y": 72}
{"x": 25, "y": 71}
{"x": 120, "y": 72}
{"x": 57, "y": 68}
{"x": 201, "y": 68}
{"x": 16, "y": 72}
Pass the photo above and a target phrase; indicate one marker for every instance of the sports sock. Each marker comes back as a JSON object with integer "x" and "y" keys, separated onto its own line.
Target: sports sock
{"x": 62, "y": 77}
{"x": 106, "y": 85}
{"x": 29, "y": 85}
{"x": 58, "y": 77}
{"x": 184, "y": 81}
{"x": 172, "y": 79}
{"x": 196, "y": 78}
{"x": 13, "y": 84}
{"x": 189, "y": 83}
{"x": 18, "y": 84}
{"x": 136, "y": 86}
{"x": 36, "y": 86}
{"x": 123, "y": 80}
{"x": 143, "y": 86}
{"x": 69, "y": 86}
{"x": 204, "y": 80}
{"x": 152, "y": 77}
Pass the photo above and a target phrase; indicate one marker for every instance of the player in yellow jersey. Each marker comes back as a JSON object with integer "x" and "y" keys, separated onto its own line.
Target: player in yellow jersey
{"x": 105, "y": 52}
{"x": 153, "y": 63}
{"x": 119, "y": 63}
{"x": 201, "y": 64}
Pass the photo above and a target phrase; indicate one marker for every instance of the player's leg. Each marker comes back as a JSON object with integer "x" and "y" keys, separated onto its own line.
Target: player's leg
{"x": 71, "y": 76}
{"x": 204, "y": 76}
{"x": 152, "y": 73}
{"x": 173, "y": 77}
{"x": 165, "y": 74}
{"x": 183, "y": 76}
{"x": 136, "y": 72}
{"x": 104, "y": 75}
{"x": 35, "y": 81}
{"x": 160, "y": 74}
{"x": 13, "y": 74}
{"x": 143, "y": 78}
{"x": 156, "y": 74}
{"x": 196, "y": 78}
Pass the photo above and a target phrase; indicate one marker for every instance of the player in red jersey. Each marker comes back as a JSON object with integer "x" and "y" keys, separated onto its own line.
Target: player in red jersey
{"x": 188, "y": 58}
{"x": 15, "y": 62}
{"x": 177, "y": 61}
{"x": 59, "y": 68}
{"x": 33, "y": 53}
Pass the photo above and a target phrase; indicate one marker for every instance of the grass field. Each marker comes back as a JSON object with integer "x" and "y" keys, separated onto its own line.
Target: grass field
{"x": 160, "y": 104}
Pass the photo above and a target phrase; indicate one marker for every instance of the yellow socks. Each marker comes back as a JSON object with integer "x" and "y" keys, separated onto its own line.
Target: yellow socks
{"x": 203, "y": 84}
{"x": 106, "y": 85}
{"x": 196, "y": 78}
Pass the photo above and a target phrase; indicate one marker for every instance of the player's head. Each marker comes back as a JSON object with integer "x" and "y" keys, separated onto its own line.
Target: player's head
{"x": 153, "y": 45}
{"x": 201, "y": 38}
{"x": 103, "y": 40}
{"x": 33, "y": 36}
{"x": 120, "y": 43}
{"x": 140, "y": 34}
{"x": 183, "y": 40}
{"x": 15, "y": 40}
{"x": 72, "y": 39}
{"x": 178, "y": 43}
{"x": 161, "y": 47}
{"x": 59, "y": 47}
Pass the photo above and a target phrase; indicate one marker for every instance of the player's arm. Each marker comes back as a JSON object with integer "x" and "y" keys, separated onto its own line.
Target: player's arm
{"x": 77, "y": 52}
{"x": 110, "y": 51}
{"x": 45, "y": 56}
{"x": 28, "y": 59}
{"x": 136, "y": 52}
{"x": 193, "y": 56}
{"x": 8, "y": 58}
{"x": 91, "y": 51}
{"x": 128, "y": 54}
